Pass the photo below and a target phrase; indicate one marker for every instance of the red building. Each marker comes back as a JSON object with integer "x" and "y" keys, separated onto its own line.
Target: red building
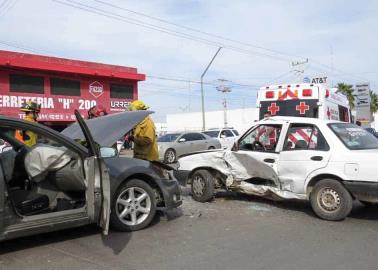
{"x": 63, "y": 85}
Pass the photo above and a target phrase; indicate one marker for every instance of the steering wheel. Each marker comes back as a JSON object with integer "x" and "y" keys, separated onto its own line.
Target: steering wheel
{"x": 256, "y": 146}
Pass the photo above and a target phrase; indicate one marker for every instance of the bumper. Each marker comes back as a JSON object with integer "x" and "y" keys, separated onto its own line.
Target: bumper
{"x": 182, "y": 176}
{"x": 171, "y": 192}
{"x": 366, "y": 191}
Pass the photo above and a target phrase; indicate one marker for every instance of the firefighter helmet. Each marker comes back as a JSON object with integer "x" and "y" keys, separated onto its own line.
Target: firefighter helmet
{"x": 138, "y": 105}
{"x": 30, "y": 106}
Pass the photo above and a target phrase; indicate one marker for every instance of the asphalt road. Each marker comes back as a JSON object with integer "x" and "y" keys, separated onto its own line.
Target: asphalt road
{"x": 232, "y": 232}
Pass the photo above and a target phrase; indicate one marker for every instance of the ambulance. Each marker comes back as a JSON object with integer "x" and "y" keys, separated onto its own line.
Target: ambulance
{"x": 305, "y": 100}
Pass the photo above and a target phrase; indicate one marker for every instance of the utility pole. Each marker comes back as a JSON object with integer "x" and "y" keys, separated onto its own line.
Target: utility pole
{"x": 224, "y": 89}
{"x": 202, "y": 94}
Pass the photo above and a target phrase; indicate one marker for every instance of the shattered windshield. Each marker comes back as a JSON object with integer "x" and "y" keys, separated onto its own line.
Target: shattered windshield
{"x": 354, "y": 137}
{"x": 212, "y": 133}
{"x": 168, "y": 137}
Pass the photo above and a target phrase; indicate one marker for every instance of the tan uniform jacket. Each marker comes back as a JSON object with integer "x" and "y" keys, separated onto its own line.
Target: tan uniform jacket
{"x": 145, "y": 144}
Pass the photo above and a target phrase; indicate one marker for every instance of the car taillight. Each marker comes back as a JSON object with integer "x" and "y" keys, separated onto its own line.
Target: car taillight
{"x": 307, "y": 92}
{"x": 327, "y": 93}
{"x": 269, "y": 94}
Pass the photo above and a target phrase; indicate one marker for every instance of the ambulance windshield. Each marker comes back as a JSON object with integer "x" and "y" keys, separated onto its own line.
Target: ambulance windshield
{"x": 354, "y": 137}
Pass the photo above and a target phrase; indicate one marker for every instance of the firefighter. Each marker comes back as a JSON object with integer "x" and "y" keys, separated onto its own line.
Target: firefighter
{"x": 144, "y": 136}
{"x": 31, "y": 110}
{"x": 96, "y": 111}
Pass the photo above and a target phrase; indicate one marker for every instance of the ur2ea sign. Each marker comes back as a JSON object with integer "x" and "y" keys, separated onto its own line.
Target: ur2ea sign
{"x": 96, "y": 89}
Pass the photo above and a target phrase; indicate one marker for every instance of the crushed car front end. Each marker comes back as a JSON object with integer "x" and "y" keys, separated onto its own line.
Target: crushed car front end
{"x": 156, "y": 174}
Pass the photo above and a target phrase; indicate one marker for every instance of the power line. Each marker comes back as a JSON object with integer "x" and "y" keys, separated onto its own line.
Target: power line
{"x": 8, "y": 8}
{"x": 115, "y": 16}
{"x": 195, "y": 30}
{"x": 3, "y": 4}
{"x": 175, "y": 79}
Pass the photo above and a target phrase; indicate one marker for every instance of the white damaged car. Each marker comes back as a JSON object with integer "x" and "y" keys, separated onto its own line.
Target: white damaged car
{"x": 329, "y": 163}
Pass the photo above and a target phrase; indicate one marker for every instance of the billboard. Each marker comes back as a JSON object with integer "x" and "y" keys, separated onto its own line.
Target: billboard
{"x": 362, "y": 103}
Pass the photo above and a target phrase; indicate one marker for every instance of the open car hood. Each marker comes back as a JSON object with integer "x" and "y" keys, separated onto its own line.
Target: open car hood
{"x": 106, "y": 130}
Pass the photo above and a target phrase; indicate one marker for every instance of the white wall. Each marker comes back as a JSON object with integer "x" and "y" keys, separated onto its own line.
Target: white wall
{"x": 240, "y": 119}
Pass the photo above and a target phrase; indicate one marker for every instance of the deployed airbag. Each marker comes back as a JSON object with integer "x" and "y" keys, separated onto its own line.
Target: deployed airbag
{"x": 43, "y": 158}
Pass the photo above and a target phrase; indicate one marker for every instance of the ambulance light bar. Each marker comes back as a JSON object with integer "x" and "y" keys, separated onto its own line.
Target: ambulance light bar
{"x": 269, "y": 94}
{"x": 307, "y": 92}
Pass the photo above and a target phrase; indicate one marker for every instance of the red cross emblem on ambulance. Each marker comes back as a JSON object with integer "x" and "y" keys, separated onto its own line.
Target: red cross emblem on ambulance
{"x": 302, "y": 107}
{"x": 273, "y": 108}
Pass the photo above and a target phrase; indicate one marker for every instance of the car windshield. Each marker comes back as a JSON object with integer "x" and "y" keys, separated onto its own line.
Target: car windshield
{"x": 212, "y": 133}
{"x": 168, "y": 137}
{"x": 354, "y": 137}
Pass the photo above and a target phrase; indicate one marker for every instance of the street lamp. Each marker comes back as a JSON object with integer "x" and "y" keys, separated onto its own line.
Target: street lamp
{"x": 202, "y": 94}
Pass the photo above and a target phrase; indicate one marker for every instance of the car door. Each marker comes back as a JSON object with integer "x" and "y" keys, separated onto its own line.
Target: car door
{"x": 98, "y": 181}
{"x": 304, "y": 150}
{"x": 2, "y": 198}
{"x": 199, "y": 142}
{"x": 257, "y": 151}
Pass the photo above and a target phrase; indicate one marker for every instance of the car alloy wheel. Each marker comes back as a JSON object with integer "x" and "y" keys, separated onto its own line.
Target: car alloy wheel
{"x": 133, "y": 206}
{"x": 170, "y": 156}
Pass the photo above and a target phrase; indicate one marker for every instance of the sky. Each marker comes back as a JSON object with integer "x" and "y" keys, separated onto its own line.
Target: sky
{"x": 172, "y": 42}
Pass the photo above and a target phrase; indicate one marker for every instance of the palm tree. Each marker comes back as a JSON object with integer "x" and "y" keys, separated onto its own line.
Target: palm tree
{"x": 373, "y": 102}
{"x": 347, "y": 90}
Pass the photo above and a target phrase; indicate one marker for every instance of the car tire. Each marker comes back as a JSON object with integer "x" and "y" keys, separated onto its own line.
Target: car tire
{"x": 330, "y": 200}
{"x": 202, "y": 186}
{"x": 133, "y": 219}
{"x": 211, "y": 148}
{"x": 170, "y": 156}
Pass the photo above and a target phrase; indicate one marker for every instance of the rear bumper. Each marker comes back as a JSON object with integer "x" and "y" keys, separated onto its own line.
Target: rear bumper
{"x": 172, "y": 194}
{"x": 366, "y": 191}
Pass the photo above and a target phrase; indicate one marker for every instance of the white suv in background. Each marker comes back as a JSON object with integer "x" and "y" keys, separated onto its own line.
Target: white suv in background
{"x": 226, "y": 136}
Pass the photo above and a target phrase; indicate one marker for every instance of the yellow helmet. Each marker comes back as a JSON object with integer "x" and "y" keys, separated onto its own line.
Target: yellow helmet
{"x": 31, "y": 106}
{"x": 138, "y": 105}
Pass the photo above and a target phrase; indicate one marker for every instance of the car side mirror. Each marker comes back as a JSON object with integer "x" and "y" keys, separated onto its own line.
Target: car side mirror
{"x": 107, "y": 152}
{"x": 182, "y": 140}
{"x": 223, "y": 136}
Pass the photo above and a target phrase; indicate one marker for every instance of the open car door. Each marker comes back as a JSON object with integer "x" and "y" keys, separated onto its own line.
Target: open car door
{"x": 98, "y": 177}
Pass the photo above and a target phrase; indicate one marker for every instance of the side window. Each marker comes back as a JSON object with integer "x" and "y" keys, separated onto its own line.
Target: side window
{"x": 188, "y": 137}
{"x": 262, "y": 138}
{"x": 235, "y": 132}
{"x": 305, "y": 137}
{"x": 226, "y": 133}
{"x": 198, "y": 137}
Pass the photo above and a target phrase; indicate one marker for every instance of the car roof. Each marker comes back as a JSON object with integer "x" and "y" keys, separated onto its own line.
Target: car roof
{"x": 307, "y": 120}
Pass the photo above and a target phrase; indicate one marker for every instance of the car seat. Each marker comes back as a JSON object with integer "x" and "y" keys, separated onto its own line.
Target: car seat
{"x": 300, "y": 145}
{"x": 25, "y": 202}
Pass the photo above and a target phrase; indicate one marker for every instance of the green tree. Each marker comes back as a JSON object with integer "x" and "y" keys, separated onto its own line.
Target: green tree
{"x": 373, "y": 102}
{"x": 347, "y": 90}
